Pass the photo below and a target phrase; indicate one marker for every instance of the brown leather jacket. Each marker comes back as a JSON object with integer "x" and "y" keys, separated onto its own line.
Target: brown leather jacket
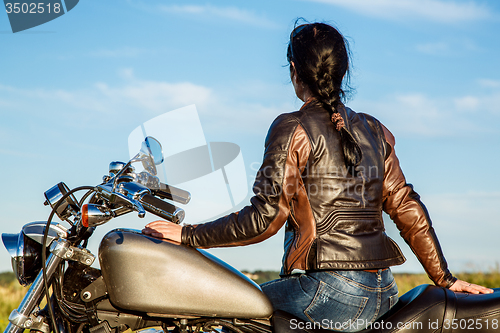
{"x": 333, "y": 220}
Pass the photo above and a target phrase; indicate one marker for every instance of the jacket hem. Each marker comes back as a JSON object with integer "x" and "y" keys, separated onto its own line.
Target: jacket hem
{"x": 350, "y": 265}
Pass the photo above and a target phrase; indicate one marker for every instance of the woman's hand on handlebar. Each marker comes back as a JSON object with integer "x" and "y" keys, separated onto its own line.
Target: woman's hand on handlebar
{"x": 164, "y": 230}
{"x": 464, "y": 286}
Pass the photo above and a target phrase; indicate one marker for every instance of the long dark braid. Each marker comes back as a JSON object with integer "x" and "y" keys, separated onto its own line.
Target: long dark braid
{"x": 321, "y": 61}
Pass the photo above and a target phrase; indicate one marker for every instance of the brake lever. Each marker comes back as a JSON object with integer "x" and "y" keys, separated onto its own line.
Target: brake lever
{"x": 139, "y": 208}
{"x": 111, "y": 196}
{"x": 135, "y": 204}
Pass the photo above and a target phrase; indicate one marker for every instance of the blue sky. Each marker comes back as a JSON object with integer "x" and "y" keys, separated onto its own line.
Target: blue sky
{"x": 73, "y": 89}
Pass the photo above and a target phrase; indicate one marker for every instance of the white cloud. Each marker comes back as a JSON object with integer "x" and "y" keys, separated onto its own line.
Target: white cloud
{"x": 467, "y": 103}
{"x": 431, "y": 10}
{"x": 489, "y": 83}
{"x": 233, "y": 108}
{"x": 250, "y": 107}
{"x": 450, "y": 47}
{"x": 134, "y": 95}
{"x": 155, "y": 96}
{"x": 226, "y": 13}
{"x": 126, "y": 73}
{"x": 417, "y": 114}
{"x": 412, "y": 114}
{"x": 466, "y": 224}
{"x": 437, "y": 48}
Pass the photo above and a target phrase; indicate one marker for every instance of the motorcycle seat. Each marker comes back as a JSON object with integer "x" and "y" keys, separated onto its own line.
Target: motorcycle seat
{"x": 425, "y": 308}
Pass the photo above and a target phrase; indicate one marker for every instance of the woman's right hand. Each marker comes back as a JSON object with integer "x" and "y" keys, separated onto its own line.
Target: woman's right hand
{"x": 464, "y": 286}
{"x": 164, "y": 230}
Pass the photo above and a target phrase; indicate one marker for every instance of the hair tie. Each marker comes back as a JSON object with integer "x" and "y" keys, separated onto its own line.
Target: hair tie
{"x": 338, "y": 121}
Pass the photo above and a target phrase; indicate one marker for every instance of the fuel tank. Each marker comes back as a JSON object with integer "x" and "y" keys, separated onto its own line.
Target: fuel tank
{"x": 158, "y": 277}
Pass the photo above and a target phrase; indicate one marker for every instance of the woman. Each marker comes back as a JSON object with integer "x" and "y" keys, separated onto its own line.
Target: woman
{"x": 328, "y": 172}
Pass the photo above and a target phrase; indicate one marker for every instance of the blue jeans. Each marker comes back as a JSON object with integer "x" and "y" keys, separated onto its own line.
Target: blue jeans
{"x": 346, "y": 301}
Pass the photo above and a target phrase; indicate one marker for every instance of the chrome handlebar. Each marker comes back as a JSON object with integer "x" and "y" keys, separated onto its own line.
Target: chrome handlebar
{"x": 139, "y": 198}
{"x": 123, "y": 191}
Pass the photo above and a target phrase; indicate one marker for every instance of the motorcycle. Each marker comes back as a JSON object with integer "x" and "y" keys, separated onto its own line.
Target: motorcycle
{"x": 161, "y": 286}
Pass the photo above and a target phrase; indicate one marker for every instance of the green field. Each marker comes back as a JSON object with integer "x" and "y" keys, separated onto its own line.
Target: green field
{"x": 11, "y": 293}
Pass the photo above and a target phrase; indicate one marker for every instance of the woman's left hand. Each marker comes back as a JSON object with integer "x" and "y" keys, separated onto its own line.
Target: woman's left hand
{"x": 460, "y": 285}
{"x": 164, "y": 230}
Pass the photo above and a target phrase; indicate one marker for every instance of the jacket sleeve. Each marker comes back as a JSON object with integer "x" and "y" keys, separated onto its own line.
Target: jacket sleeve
{"x": 404, "y": 207}
{"x": 287, "y": 149}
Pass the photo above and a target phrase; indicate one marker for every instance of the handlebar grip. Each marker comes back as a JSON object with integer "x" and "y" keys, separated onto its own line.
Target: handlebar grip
{"x": 173, "y": 193}
{"x": 162, "y": 208}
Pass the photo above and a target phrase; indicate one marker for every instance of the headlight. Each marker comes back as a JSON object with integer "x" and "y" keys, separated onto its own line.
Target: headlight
{"x": 25, "y": 248}
{"x": 26, "y": 256}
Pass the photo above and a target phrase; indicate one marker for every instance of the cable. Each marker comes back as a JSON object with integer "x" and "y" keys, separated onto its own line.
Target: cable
{"x": 74, "y": 312}
{"x": 44, "y": 255}
{"x": 209, "y": 324}
{"x": 85, "y": 196}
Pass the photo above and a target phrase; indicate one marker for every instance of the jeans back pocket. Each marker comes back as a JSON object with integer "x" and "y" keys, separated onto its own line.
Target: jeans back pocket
{"x": 334, "y": 309}
{"x": 393, "y": 300}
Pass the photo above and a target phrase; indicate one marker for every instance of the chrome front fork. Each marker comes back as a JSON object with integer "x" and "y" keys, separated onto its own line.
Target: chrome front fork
{"x": 22, "y": 318}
